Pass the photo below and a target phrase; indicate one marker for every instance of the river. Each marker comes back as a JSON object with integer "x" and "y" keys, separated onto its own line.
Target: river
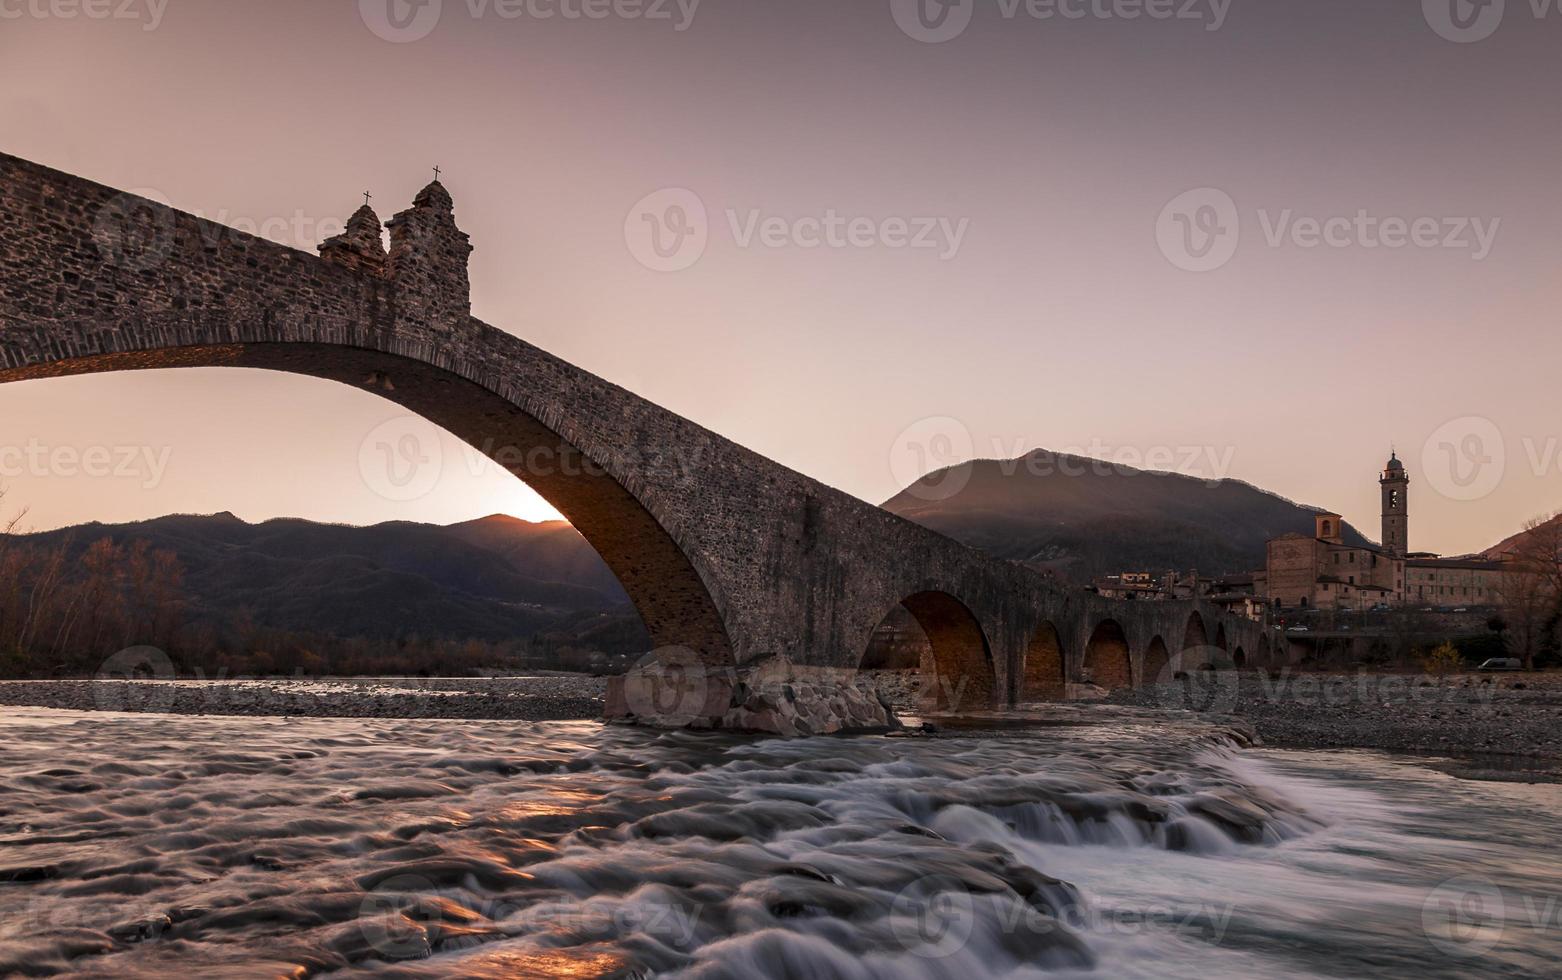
{"x": 156, "y": 846}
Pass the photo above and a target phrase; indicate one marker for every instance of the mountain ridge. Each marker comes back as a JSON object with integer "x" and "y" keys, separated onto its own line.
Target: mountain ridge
{"x": 495, "y": 578}
{"x": 1103, "y": 517}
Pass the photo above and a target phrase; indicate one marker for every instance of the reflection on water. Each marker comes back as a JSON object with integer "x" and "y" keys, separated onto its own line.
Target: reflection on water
{"x": 150, "y": 846}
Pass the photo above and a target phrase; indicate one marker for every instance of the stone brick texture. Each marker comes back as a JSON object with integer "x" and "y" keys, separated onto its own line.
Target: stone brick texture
{"x": 1108, "y": 660}
{"x": 723, "y": 551}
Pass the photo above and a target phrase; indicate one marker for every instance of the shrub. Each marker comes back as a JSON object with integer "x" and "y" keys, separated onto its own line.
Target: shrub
{"x": 1442, "y": 660}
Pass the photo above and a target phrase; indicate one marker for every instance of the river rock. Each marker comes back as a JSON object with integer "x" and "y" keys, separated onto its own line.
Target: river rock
{"x": 673, "y": 689}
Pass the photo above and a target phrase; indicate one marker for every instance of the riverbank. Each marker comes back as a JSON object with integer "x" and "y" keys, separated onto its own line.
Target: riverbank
{"x": 1489, "y": 726}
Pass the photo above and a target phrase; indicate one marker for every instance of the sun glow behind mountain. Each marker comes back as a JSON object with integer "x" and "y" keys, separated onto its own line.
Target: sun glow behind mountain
{"x": 318, "y": 450}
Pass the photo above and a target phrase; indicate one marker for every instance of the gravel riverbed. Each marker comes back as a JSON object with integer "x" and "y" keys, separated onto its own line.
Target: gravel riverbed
{"x": 1487, "y": 724}
{"x": 549, "y": 697}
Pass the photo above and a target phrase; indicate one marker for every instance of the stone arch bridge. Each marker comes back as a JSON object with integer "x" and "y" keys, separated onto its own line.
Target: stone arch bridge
{"x": 735, "y": 563}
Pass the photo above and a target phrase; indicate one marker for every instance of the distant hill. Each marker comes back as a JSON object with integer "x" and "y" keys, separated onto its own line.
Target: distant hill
{"x": 1108, "y": 518}
{"x": 551, "y": 547}
{"x": 1511, "y": 544}
{"x": 494, "y": 579}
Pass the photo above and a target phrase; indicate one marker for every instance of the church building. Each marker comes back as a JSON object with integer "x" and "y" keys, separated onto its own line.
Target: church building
{"x": 1325, "y": 572}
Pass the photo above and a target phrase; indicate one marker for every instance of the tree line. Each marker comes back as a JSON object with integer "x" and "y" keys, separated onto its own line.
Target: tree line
{"x": 68, "y": 606}
{"x": 1531, "y": 594}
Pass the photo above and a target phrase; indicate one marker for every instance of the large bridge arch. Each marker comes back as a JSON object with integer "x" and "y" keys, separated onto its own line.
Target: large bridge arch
{"x": 1156, "y": 665}
{"x": 617, "y": 515}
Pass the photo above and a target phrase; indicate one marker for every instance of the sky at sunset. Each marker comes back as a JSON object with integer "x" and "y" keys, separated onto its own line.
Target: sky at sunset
{"x": 913, "y": 250}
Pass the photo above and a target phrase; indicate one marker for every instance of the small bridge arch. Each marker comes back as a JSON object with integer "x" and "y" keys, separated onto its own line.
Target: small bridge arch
{"x": 1045, "y": 673}
{"x": 1156, "y": 666}
{"x": 1107, "y": 660}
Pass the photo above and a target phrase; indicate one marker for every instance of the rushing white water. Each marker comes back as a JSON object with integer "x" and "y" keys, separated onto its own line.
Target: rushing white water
{"x": 146, "y": 845}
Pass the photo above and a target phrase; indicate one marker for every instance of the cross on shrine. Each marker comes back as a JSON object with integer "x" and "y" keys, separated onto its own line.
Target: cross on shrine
{"x": 436, "y": 174}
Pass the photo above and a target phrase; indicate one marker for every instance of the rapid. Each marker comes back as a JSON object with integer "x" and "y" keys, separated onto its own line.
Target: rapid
{"x": 158, "y": 845}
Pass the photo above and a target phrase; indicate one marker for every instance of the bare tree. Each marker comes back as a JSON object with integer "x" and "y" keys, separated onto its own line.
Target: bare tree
{"x": 1531, "y": 589}
{"x": 13, "y": 559}
{"x": 9, "y": 525}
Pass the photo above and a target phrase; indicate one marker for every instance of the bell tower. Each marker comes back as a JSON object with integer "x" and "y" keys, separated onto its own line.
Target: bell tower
{"x": 1396, "y": 504}
{"x": 427, "y": 261}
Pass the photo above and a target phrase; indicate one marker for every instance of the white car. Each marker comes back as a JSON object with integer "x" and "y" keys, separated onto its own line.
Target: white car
{"x": 1501, "y": 663}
